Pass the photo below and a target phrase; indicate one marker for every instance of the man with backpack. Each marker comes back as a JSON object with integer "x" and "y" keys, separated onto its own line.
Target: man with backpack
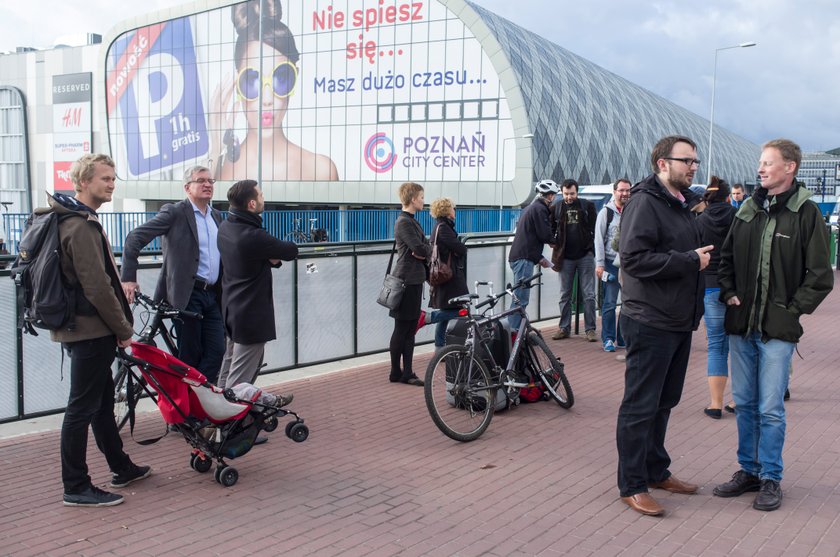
{"x": 606, "y": 261}
{"x": 102, "y": 322}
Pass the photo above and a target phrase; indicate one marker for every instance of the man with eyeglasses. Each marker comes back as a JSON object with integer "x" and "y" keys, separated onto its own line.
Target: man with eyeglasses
{"x": 607, "y": 261}
{"x": 191, "y": 272}
{"x": 662, "y": 291}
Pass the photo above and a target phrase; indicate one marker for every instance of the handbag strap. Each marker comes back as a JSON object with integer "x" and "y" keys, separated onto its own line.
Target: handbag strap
{"x": 435, "y": 250}
{"x": 391, "y": 261}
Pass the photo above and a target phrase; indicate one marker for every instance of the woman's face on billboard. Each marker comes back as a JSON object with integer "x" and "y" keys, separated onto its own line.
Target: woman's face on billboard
{"x": 277, "y": 77}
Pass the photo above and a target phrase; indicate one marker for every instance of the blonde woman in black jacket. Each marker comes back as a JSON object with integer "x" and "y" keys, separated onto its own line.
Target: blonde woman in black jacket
{"x": 413, "y": 251}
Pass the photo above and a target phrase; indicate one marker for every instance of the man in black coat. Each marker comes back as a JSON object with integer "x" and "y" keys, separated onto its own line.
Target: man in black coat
{"x": 662, "y": 290}
{"x": 248, "y": 253}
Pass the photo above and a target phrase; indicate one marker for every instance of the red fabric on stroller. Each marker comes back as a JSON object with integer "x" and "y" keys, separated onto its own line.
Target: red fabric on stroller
{"x": 175, "y": 380}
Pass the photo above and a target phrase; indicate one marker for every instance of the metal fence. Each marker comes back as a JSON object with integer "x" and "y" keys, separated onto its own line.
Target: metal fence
{"x": 363, "y": 225}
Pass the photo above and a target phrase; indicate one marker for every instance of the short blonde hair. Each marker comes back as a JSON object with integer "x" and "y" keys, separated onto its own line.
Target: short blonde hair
{"x": 84, "y": 168}
{"x": 789, "y": 150}
{"x": 441, "y": 206}
{"x": 408, "y": 191}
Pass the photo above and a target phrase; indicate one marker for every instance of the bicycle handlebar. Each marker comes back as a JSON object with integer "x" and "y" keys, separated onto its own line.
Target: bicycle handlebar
{"x": 162, "y": 307}
{"x": 524, "y": 283}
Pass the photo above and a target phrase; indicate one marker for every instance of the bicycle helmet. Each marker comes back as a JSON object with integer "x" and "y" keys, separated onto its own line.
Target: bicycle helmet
{"x": 546, "y": 186}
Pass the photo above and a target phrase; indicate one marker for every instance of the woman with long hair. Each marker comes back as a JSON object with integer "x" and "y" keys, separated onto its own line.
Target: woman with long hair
{"x": 276, "y": 75}
{"x": 413, "y": 251}
{"x": 714, "y": 223}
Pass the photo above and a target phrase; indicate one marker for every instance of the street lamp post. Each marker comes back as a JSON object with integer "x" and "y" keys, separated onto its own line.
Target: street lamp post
{"x": 502, "y": 180}
{"x": 712, "y": 116}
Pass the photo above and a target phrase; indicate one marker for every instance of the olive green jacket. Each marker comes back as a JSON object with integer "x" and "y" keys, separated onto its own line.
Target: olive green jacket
{"x": 777, "y": 262}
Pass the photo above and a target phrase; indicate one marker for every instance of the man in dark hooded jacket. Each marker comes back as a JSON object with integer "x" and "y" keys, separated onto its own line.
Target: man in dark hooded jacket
{"x": 248, "y": 253}
{"x": 662, "y": 292}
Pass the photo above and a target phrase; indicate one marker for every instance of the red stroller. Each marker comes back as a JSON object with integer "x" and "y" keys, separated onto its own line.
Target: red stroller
{"x": 214, "y": 421}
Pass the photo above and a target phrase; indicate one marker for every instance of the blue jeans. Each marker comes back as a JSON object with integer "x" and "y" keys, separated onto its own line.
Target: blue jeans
{"x": 608, "y": 304}
{"x": 522, "y": 269}
{"x": 718, "y": 344}
{"x": 759, "y": 379}
{"x": 201, "y": 342}
{"x": 585, "y": 268}
{"x": 441, "y": 317}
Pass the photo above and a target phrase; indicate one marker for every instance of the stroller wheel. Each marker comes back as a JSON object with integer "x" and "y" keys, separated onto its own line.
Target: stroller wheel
{"x": 289, "y": 427}
{"x": 270, "y": 424}
{"x": 226, "y": 475}
{"x": 200, "y": 464}
{"x": 298, "y": 432}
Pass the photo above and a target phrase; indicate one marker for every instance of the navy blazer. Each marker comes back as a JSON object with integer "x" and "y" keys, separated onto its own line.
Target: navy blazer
{"x": 176, "y": 223}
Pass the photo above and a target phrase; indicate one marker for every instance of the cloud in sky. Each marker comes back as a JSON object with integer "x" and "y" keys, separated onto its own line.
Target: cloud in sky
{"x": 786, "y": 86}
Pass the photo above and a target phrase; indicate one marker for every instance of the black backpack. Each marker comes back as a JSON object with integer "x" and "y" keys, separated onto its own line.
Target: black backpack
{"x": 45, "y": 299}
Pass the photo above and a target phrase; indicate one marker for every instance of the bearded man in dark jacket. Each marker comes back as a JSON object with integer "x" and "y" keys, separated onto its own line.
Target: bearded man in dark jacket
{"x": 248, "y": 253}
{"x": 662, "y": 291}
{"x": 774, "y": 267}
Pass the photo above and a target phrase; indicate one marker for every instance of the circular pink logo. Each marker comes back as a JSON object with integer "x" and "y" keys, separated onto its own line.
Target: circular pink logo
{"x": 380, "y": 155}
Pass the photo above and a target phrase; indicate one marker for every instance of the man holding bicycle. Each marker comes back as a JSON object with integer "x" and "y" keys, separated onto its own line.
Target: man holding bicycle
{"x": 533, "y": 232}
{"x": 661, "y": 259}
{"x": 189, "y": 277}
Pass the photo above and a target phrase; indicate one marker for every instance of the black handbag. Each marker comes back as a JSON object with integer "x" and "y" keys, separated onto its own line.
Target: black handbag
{"x": 393, "y": 287}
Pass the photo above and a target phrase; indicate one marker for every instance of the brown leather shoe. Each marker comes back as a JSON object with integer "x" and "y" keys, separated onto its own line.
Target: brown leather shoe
{"x": 644, "y": 503}
{"x": 674, "y": 485}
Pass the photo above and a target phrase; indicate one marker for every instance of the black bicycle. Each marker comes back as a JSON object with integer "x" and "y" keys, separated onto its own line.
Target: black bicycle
{"x": 127, "y": 390}
{"x": 461, "y": 391}
{"x": 300, "y": 236}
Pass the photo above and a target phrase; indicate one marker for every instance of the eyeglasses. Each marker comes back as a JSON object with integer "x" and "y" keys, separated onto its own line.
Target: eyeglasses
{"x": 203, "y": 181}
{"x": 687, "y": 161}
{"x": 283, "y": 80}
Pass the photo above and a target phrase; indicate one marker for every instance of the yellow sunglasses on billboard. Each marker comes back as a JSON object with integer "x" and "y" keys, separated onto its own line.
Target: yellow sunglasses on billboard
{"x": 282, "y": 81}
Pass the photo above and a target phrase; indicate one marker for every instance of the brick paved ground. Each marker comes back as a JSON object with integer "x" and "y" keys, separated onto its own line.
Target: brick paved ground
{"x": 377, "y": 478}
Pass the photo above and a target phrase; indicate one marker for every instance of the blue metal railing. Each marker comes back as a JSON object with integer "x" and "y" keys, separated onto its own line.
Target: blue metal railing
{"x": 360, "y": 225}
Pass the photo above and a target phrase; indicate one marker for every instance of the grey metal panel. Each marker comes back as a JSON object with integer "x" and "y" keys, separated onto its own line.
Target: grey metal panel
{"x": 325, "y": 330}
{"x": 8, "y": 351}
{"x": 43, "y": 387}
{"x": 374, "y": 327}
{"x": 281, "y": 351}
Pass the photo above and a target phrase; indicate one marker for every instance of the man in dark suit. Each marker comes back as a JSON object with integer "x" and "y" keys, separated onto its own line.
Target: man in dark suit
{"x": 191, "y": 271}
{"x": 248, "y": 253}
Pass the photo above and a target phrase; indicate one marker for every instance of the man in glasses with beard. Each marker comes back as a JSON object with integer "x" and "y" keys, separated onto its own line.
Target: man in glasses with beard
{"x": 190, "y": 277}
{"x": 661, "y": 258}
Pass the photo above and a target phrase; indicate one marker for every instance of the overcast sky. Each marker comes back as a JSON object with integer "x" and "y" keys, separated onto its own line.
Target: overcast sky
{"x": 786, "y": 86}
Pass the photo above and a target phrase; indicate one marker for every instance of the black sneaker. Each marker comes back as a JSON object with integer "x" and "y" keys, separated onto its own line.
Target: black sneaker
{"x": 769, "y": 497}
{"x": 130, "y": 475}
{"x": 92, "y": 497}
{"x": 740, "y": 483}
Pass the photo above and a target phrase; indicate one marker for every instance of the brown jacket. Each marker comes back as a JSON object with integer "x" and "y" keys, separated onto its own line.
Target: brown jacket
{"x": 87, "y": 261}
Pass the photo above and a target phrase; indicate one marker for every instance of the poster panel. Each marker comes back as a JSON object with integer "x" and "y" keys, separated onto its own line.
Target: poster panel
{"x": 72, "y": 125}
{"x": 345, "y": 90}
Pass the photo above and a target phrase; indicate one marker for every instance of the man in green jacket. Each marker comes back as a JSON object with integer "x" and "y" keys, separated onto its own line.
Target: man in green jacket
{"x": 774, "y": 267}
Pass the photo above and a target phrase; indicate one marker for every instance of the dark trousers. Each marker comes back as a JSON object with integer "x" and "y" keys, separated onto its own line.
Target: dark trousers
{"x": 201, "y": 342}
{"x": 91, "y": 403}
{"x": 402, "y": 347}
{"x": 653, "y": 384}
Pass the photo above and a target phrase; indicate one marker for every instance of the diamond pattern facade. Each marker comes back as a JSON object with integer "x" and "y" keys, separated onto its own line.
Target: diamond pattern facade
{"x": 594, "y": 126}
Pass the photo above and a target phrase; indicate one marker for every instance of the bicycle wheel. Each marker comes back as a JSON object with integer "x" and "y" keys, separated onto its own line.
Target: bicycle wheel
{"x": 121, "y": 395}
{"x": 550, "y": 371}
{"x": 459, "y": 393}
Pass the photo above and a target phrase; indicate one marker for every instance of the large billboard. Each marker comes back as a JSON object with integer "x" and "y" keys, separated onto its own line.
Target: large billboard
{"x": 345, "y": 90}
{"x": 72, "y": 125}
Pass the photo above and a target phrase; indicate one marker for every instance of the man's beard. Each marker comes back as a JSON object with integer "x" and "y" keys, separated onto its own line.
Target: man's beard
{"x": 679, "y": 185}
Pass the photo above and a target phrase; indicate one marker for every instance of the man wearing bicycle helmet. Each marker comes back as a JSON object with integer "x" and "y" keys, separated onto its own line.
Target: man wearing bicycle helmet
{"x": 532, "y": 233}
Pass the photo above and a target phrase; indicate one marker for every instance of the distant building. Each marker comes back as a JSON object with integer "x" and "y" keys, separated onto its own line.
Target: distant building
{"x": 443, "y": 92}
{"x": 821, "y": 174}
